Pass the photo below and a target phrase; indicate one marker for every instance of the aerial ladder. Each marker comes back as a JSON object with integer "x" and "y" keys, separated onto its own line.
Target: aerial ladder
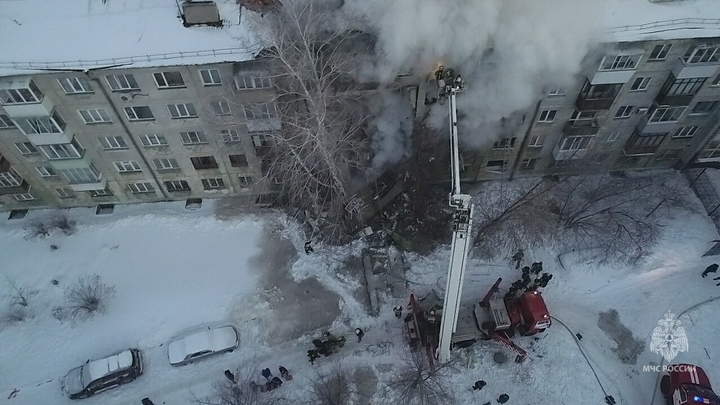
{"x": 449, "y": 85}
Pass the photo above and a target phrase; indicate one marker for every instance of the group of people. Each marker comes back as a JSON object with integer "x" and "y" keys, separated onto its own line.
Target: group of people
{"x": 711, "y": 269}
{"x": 480, "y": 384}
{"x": 533, "y": 279}
{"x": 272, "y": 382}
{"x": 326, "y": 347}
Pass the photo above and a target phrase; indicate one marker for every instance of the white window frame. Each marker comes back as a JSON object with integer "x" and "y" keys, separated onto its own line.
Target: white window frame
{"x": 127, "y": 166}
{"x": 95, "y": 116}
{"x": 713, "y": 106}
{"x": 666, "y": 114}
{"x": 75, "y": 85}
{"x": 46, "y": 171}
{"x": 716, "y": 80}
{"x": 213, "y": 183}
{"x": 528, "y": 163}
{"x": 59, "y": 151}
{"x": 685, "y": 132}
{"x": 24, "y": 197}
{"x": 624, "y": 111}
{"x": 238, "y": 160}
{"x": 245, "y": 181}
{"x": 260, "y": 111}
{"x": 547, "y": 116}
{"x": 64, "y": 192}
{"x": 53, "y": 124}
{"x": 579, "y": 116}
{"x": 702, "y": 54}
{"x": 613, "y": 136}
{"x": 177, "y": 185}
{"x": 153, "y": 140}
{"x": 181, "y": 111}
{"x": 141, "y": 188}
{"x": 165, "y": 164}
{"x": 10, "y": 179}
{"x": 662, "y": 51}
{"x": 26, "y": 148}
{"x": 249, "y": 81}
{"x": 221, "y": 107}
{"x": 620, "y": 62}
{"x": 230, "y": 135}
{"x": 162, "y": 82}
{"x": 113, "y": 143}
{"x": 81, "y": 175}
{"x": 557, "y": 91}
{"x": 536, "y": 141}
{"x": 640, "y": 83}
{"x": 24, "y": 95}
{"x": 6, "y": 122}
{"x": 122, "y": 82}
{"x": 193, "y": 138}
{"x": 576, "y": 142}
{"x": 261, "y": 140}
{"x": 100, "y": 193}
{"x": 132, "y": 113}
{"x": 210, "y": 77}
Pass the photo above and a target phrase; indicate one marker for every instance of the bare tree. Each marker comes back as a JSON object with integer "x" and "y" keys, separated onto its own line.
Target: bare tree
{"x": 84, "y": 299}
{"x": 18, "y": 295}
{"x": 322, "y": 148}
{"x": 241, "y": 392}
{"x": 37, "y": 229}
{"x": 417, "y": 382}
{"x": 332, "y": 386}
{"x": 63, "y": 223}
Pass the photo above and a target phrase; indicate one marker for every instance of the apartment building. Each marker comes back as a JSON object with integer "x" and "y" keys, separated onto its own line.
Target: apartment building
{"x": 151, "y": 128}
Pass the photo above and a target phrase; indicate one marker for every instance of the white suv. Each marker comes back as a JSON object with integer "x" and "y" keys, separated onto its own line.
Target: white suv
{"x": 102, "y": 374}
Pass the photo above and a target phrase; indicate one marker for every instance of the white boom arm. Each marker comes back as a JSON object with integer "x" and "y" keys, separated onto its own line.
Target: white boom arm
{"x": 450, "y": 85}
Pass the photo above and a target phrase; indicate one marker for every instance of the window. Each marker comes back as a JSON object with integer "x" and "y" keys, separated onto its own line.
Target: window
{"x": 113, "y": 142}
{"x": 624, "y": 111}
{"x": 495, "y": 163}
{"x": 10, "y": 179}
{"x": 63, "y": 150}
{"x": 575, "y": 143}
{"x": 182, "y": 110}
{"x": 536, "y": 141}
{"x": 716, "y": 81}
{"x": 640, "y": 83}
{"x": 6, "y": 122}
{"x": 213, "y": 184}
{"x": 165, "y": 164}
{"x": 210, "y": 77}
{"x": 81, "y": 175}
{"x": 95, "y": 116}
{"x": 230, "y": 135}
{"x": 670, "y": 154}
{"x": 620, "y": 62}
{"x": 666, "y": 114}
{"x": 204, "y": 162}
{"x": 245, "y": 181}
{"x": 127, "y": 166}
{"x": 139, "y": 113}
{"x": 122, "y": 82}
{"x": 42, "y": 125}
{"x": 75, "y": 85}
{"x": 46, "y": 171}
{"x": 139, "y": 188}
{"x": 547, "y": 116}
{"x": 220, "y": 107}
{"x": 557, "y": 91}
{"x": 31, "y": 94}
{"x": 151, "y": 140}
{"x": 682, "y": 86}
{"x": 65, "y": 192}
{"x": 100, "y": 193}
{"x": 659, "y": 52}
{"x": 26, "y": 148}
{"x": 712, "y": 150}
{"x": 613, "y": 136}
{"x": 504, "y": 143}
{"x": 24, "y": 197}
{"x": 600, "y": 91}
{"x": 260, "y": 141}
{"x": 527, "y": 164}
{"x": 193, "y": 138}
{"x": 704, "y": 107}
{"x": 578, "y": 117}
{"x": 252, "y": 81}
{"x": 168, "y": 80}
{"x": 177, "y": 185}
{"x": 685, "y": 132}
{"x": 238, "y": 160}
{"x": 645, "y": 143}
{"x": 702, "y": 54}
{"x": 259, "y": 111}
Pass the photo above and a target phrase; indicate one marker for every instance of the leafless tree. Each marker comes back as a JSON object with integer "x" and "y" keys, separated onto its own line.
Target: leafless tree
{"x": 18, "y": 295}
{"x": 84, "y": 299}
{"x": 417, "y": 382}
{"x": 332, "y": 386}
{"x": 63, "y": 223}
{"x": 322, "y": 148}
{"x": 37, "y": 229}
{"x": 241, "y": 391}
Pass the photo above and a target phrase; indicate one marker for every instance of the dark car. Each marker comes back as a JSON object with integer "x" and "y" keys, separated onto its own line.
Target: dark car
{"x": 102, "y": 374}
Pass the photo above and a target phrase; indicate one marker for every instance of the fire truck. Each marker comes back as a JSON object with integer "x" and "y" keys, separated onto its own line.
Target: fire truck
{"x": 685, "y": 384}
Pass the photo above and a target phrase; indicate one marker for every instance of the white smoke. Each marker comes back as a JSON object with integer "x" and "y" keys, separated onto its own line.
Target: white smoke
{"x": 392, "y": 129}
{"x": 507, "y": 51}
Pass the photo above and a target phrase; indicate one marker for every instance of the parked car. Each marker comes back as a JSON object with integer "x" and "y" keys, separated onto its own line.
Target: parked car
{"x": 201, "y": 343}
{"x": 102, "y": 374}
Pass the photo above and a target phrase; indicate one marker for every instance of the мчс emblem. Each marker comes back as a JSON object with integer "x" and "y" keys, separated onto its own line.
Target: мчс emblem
{"x": 669, "y": 338}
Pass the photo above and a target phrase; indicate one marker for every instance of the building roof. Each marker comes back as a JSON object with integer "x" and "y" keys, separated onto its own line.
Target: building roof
{"x": 642, "y": 20}
{"x": 53, "y": 34}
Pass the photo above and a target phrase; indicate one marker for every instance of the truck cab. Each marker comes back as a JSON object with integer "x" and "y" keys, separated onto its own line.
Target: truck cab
{"x": 686, "y": 384}
{"x": 535, "y": 315}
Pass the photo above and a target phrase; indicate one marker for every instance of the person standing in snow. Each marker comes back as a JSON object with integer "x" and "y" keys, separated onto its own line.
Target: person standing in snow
{"x": 230, "y": 376}
{"x": 479, "y": 384}
{"x": 398, "y": 312}
{"x": 267, "y": 374}
{"x": 710, "y": 269}
{"x": 503, "y": 398}
{"x": 308, "y": 248}
{"x": 518, "y": 258}
{"x": 359, "y": 333}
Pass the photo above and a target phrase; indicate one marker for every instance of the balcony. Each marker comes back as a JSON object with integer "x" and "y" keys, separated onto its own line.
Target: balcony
{"x": 645, "y": 127}
{"x": 683, "y": 70}
{"x": 101, "y": 184}
{"x": 612, "y": 77}
{"x": 584, "y": 127}
{"x": 640, "y": 150}
{"x": 21, "y": 189}
{"x": 559, "y": 154}
{"x": 593, "y": 105}
{"x": 74, "y": 163}
{"x": 42, "y": 109}
{"x": 674, "y": 99}
{"x": 48, "y": 139}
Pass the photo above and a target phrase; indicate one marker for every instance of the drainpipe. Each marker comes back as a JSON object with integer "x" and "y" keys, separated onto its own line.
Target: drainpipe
{"x": 127, "y": 131}
{"x": 521, "y": 149}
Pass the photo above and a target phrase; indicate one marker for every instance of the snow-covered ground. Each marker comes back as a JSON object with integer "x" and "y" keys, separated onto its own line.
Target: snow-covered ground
{"x": 173, "y": 269}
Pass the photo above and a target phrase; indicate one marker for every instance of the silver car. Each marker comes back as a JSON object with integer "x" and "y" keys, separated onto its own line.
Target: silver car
{"x": 102, "y": 374}
{"x": 202, "y": 342}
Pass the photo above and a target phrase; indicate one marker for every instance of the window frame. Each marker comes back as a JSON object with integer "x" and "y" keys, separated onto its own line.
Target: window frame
{"x": 193, "y": 138}
{"x": 624, "y": 112}
{"x": 29, "y": 147}
{"x": 135, "y": 117}
{"x": 661, "y": 52}
{"x": 112, "y": 143}
{"x": 684, "y": 132}
{"x": 673, "y": 115}
{"x": 264, "y": 111}
{"x": 252, "y": 81}
{"x": 223, "y": 107}
{"x": 127, "y": 166}
{"x": 163, "y": 76}
{"x": 127, "y": 84}
{"x": 620, "y": 62}
{"x": 238, "y": 160}
{"x": 641, "y": 83}
{"x": 150, "y": 144}
{"x": 46, "y": 171}
{"x": 230, "y": 135}
{"x": 219, "y": 183}
{"x": 183, "y": 185}
{"x": 101, "y": 113}
{"x": 40, "y": 125}
{"x": 528, "y": 163}
{"x": 712, "y": 106}
{"x": 182, "y": 111}
{"x": 6, "y": 122}
{"x": 547, "y": 116}
{"x": 136, "y": 189}
{"x": 212, "y": 81}
{"x": 245, "y": 181}
{"x": 73, "y": 150}
{"x": 11, "y": 96}
{"x": 64, "y": 192}
{"x": 74, "y": 83}
{"x": 204, "y": 162}
{"x": 575, "y": 143}
{"x": 172, "y": 164}
{"x": 536, "y": 141}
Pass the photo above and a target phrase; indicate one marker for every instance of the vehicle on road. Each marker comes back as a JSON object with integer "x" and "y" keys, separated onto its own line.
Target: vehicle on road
{"x": 685, "y": 384}
{"x": 102, "y": 374}
{"x": 202, "y": 342}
